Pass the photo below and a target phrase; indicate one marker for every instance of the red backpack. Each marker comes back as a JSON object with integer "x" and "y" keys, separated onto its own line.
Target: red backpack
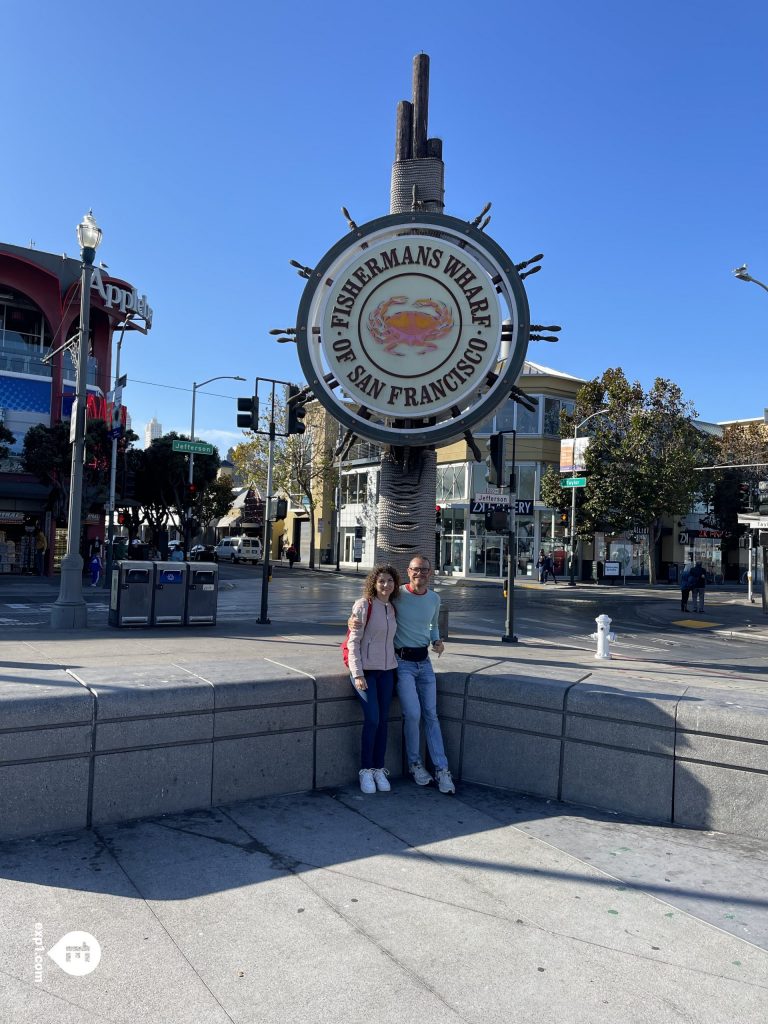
{"x": 345, "y": 644}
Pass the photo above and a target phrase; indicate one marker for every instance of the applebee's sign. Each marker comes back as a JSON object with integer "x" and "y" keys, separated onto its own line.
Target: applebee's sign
{"x": 124, "y": 299}
{"x": 399, "y": 328}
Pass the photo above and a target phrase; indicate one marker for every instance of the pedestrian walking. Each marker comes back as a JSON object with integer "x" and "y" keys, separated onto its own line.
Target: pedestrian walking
{"x": 41, "y": 546}
{"x": 372, "y": 664}
{"x": 546, "y": 567}
{"x": 292, "y": 555}
{"x": 95, "y": 567}
{"x": 697, "y": 578}
{"x": 685, "y": 589}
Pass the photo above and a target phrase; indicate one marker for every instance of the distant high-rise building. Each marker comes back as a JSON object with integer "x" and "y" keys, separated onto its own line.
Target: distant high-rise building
{"x": 128, "y": 423}
{"x": 152, "y": 430}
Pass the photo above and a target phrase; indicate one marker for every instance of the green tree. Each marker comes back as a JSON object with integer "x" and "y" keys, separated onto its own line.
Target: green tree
{"x": 161, "y": 482}
{"x": 641, "y": 459}
{"x": 214, "y": 502}
{"x": 47, "y": 455}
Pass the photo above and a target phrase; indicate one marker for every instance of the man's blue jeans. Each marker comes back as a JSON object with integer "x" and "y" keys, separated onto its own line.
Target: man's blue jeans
{"x": 417, "y": 690}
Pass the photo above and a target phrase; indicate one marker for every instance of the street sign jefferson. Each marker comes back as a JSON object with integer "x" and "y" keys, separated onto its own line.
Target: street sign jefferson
{"x": 193, "y": 447}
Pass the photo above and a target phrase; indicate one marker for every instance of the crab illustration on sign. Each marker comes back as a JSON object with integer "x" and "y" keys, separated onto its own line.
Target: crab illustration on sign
{"x": 416, "y": 328}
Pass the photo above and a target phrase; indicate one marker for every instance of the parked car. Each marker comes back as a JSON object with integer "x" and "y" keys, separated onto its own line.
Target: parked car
{"x": 203, "y": 553}
{"x": 239, "y": 549}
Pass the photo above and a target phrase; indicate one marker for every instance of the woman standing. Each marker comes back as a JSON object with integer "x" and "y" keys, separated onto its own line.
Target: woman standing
{"x": 372, "y": 665}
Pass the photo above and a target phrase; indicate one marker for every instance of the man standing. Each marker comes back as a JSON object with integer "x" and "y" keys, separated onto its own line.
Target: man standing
{"x": 697, "y": 580}
{"x": 417, "y": 610}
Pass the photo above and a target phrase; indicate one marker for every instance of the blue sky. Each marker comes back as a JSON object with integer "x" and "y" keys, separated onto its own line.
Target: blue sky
{"x": 216, "y": 142}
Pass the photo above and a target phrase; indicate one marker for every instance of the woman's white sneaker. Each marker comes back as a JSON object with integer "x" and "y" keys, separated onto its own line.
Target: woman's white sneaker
{"x": 380, "y": 778}
{"x": 366, "y": 780}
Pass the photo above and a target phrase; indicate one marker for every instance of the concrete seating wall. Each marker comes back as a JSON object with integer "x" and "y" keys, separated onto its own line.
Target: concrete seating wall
{"x": 97, "y": 746}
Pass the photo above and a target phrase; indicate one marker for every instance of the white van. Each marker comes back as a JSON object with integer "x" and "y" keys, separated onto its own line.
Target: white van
{"x": 239, "y": 549}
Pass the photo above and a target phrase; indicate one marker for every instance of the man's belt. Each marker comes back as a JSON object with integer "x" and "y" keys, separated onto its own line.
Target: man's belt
{"x": 412, "y": 653}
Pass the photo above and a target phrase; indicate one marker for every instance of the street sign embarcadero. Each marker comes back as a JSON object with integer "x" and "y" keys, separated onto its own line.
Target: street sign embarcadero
{"x": 193, "y": 447}
{"x": 574, "y": 481}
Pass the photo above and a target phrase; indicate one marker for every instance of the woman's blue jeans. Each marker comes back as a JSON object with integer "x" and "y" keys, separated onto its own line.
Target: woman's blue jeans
{"x": 417, "y": 690}
{"x": 376, "y": 701}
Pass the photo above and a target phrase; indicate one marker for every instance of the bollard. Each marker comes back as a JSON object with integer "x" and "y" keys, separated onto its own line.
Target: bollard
{"x": 603, "y": 636}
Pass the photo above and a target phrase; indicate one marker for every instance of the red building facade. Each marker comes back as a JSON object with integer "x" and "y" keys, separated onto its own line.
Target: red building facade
{"x": 39, "y": 314}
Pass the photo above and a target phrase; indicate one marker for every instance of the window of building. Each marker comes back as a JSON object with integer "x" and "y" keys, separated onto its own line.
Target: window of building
{"x": 451, "y": 483}
{"x": 24, "y": 335}
{"x": 354, "y": 488}
{"x": 527, "y": 421}
{"x": 552, "y": 409}
{"x": 505, "y": 416}
{"x": 364, "y": 451}
{"x": 526, "y": 481}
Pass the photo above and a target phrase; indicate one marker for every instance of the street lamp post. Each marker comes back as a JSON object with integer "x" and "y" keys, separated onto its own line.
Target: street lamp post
{"x": 576, "y": 428}
{"x": 743, "y": 275}
{"x": 187, "y": 525}
{"x": 69, "y": 610}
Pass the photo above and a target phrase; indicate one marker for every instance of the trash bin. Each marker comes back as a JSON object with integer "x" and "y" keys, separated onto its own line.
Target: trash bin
{"x": 202, "y": 594}
{"x": 130, "y": 602}
{"x": 170, "y": 593}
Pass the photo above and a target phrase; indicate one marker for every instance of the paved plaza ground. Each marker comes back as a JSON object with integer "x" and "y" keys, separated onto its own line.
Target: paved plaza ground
{"x": 333, "y": 906}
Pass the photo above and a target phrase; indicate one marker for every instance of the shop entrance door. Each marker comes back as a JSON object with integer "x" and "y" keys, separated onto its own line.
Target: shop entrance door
{"x": 495, "y": 554}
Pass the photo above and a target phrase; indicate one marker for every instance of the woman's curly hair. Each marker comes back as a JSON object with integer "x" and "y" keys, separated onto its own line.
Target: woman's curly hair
{"x": 369, "y": 587}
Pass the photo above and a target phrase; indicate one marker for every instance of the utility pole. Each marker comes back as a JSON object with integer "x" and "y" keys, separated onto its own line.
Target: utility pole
{"x": 271, "y": 432}
{"x": 509, "y": 633}
{"x": 263, "y": 618}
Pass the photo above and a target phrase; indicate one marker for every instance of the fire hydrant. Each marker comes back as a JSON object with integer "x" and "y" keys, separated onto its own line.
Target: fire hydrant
{"x": 603, "y": 636}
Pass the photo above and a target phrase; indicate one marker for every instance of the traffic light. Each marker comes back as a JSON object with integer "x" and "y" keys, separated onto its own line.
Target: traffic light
{"x": 281, "y": 508}
{"x": 564, "y": 520}
{"x": 745, "y": 496}
{"x": 438, "y": 516}
{"x": 248, "y": 413}
{"x": 296, "y": 411}
{"x": 191, "y": 493}
{"x": 496, "y": 457}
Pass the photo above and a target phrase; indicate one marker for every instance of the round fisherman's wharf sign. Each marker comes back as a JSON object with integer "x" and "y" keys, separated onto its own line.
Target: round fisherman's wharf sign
{"x": 410, "y": 324}
{"x": 400, "y": 328}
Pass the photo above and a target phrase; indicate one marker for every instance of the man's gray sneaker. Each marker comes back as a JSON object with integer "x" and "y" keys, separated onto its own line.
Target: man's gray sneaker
{"x": 444, "y": 781}
{"x": 420, "y": 774}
